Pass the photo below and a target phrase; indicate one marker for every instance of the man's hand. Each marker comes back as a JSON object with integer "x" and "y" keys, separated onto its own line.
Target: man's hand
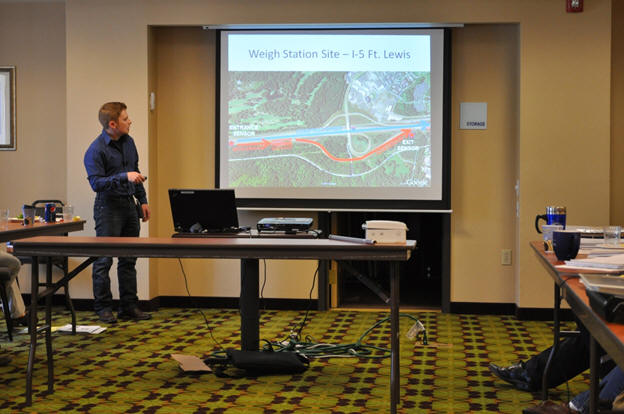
{"x": 135, "y": 177}
{"x": 146, "y": 211}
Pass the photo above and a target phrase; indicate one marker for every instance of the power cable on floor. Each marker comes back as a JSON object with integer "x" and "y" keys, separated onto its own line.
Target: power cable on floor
{"x": 197, "y": 308}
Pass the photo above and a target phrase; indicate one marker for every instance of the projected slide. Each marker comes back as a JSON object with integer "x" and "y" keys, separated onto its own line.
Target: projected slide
{"x": 341, "y": 111}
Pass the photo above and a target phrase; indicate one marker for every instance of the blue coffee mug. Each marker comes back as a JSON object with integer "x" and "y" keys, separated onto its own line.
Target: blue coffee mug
{"x": 566, "y": 244}
{"x": 554, "y": 215}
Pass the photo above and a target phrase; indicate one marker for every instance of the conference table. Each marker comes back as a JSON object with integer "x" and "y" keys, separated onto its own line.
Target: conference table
{"x": 248, "y": 250}
{"x": 16, "y": 230}
{"x": 609, "y": 335}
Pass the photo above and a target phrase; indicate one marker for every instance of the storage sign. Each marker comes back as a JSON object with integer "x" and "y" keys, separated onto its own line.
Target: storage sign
{"x": 473, "y": 115}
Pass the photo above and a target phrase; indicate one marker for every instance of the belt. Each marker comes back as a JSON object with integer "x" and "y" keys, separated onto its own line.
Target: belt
{"x": 103, "y": 196}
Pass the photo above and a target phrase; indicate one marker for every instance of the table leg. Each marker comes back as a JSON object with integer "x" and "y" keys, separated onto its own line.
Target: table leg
{"x": 395, "y": 382}
{"x": 323, "y": 285}
{"x": 594, "y": 367}
{"x": 34, "y": 291}
{"x": 250, "y": 305}
{"x": 34, "y": 283}
{"x": 48, "y": 327}
{"x": 555, "y": 347}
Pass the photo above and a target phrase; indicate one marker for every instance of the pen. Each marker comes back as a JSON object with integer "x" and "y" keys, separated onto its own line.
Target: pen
{"x": 351, "y": 239}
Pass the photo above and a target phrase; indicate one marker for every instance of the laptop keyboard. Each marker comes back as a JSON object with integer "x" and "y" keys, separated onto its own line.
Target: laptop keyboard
{"x": 211, "y": 233}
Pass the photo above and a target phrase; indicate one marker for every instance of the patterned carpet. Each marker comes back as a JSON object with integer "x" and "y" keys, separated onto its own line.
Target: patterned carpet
{"x": 128, "y": 368}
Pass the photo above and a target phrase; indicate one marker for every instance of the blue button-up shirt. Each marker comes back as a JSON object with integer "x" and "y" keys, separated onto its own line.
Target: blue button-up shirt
{"x": 108, "y": 162}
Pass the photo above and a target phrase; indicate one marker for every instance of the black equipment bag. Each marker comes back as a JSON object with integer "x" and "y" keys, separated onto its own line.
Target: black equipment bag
{"x": 257, "y": 363}
{"x": 610, "y": 307}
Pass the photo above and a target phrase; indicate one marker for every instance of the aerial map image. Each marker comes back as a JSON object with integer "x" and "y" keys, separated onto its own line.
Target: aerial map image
{"x": 329, "y": 129}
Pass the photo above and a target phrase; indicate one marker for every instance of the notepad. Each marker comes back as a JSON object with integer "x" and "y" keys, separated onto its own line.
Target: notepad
{"x": 615, "y": 262}
{"x": 611, "y": 285}
{"x": 619, "y": 246}
{"x": 596, "y": 252}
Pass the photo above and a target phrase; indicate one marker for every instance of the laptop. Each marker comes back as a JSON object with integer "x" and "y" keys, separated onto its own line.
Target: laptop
{"x": 198, "y": 212}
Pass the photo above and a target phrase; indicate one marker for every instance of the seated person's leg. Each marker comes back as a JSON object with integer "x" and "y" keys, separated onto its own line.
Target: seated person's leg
{"x": 16, "y": 302}
{"x": 611, "y": 386}
{"x": 571, "y": 359}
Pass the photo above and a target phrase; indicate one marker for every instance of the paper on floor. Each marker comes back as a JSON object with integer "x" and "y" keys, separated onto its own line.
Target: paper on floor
{"x": 91, "y": 329}
{"x": 191, "y": 363}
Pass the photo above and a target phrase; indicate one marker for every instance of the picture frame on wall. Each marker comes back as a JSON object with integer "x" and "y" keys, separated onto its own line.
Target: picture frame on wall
{"x": 7, "y": 108}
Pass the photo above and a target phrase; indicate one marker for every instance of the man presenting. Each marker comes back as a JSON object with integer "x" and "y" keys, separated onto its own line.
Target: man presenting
{"x": 112, "y": 164}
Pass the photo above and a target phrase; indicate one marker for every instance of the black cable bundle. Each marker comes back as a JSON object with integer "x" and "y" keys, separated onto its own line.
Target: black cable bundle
{"x": 312, "y": 349}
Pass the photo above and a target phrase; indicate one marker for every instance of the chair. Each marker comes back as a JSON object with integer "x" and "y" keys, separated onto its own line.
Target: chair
{"x": 5, "y": 276}
{"x": 39, "y": 206}
{"x": 60, "y": 262}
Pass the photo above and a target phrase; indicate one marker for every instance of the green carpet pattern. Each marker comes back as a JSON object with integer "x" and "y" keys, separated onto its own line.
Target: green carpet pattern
{"x": 128, "y": 367}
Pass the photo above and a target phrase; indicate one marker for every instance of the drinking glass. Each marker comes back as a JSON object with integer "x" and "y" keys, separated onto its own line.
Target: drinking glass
{"x": 29, "y": 215}
{"x": 612, "y": 235}
{"x": 4, "y": 218}
{"x": 68, "y": 212}
{"x": 547, "y": 230}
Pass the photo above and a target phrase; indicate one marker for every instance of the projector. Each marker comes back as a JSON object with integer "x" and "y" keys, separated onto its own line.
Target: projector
{"x": 385, "y": 231}
{"x": 285, "y": 224}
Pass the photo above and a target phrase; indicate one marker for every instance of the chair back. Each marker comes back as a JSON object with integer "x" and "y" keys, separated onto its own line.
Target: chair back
{"x": 39, "y": 206}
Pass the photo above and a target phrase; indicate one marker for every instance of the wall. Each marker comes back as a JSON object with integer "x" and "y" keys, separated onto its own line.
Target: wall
{"x": 563, "y": 119}
{"x": 552, "y": 141}
{"x": 37, "y": 169}
{"x": 617, "y": 115}
{"x": 564, "y": 144}
{"x": 107, "y": 52}
{"x": 485, "y": 69}
{"x": 485, "y": 62}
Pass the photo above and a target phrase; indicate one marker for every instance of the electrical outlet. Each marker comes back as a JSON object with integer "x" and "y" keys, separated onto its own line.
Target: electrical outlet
{"x": 506, "y": 257}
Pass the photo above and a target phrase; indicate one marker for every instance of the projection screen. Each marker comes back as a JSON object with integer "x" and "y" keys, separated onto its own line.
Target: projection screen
{"x": 334, "y": 119}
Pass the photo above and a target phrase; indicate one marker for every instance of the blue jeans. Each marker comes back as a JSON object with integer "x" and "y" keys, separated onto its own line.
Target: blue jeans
{"x": 571, "y": 359}
{"x": 115, "y": 217}
{"x": 610, "y": 387}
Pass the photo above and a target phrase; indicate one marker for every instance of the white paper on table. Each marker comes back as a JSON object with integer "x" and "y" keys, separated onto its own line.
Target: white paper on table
{"x": 615, "y": 262}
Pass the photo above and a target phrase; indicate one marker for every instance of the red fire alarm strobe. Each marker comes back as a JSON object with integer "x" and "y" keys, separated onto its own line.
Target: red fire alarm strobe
{"x": 574, "y": 6}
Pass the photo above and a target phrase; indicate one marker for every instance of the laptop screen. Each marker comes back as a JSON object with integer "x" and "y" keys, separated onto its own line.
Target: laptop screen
{"x": 203, "y": 210}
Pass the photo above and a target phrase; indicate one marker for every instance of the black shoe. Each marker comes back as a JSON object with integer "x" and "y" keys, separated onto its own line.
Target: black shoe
{"x": 549, "y": 407}
{"x": 106, "y": 316}
{"x": 134, "y": 314}
{"x": 514, "y": 374}
{"x": 23, "y": 320}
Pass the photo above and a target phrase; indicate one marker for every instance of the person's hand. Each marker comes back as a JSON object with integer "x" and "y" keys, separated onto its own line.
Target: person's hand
{"x": 135, "y": 177}
{"x": 146, "y": 212}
